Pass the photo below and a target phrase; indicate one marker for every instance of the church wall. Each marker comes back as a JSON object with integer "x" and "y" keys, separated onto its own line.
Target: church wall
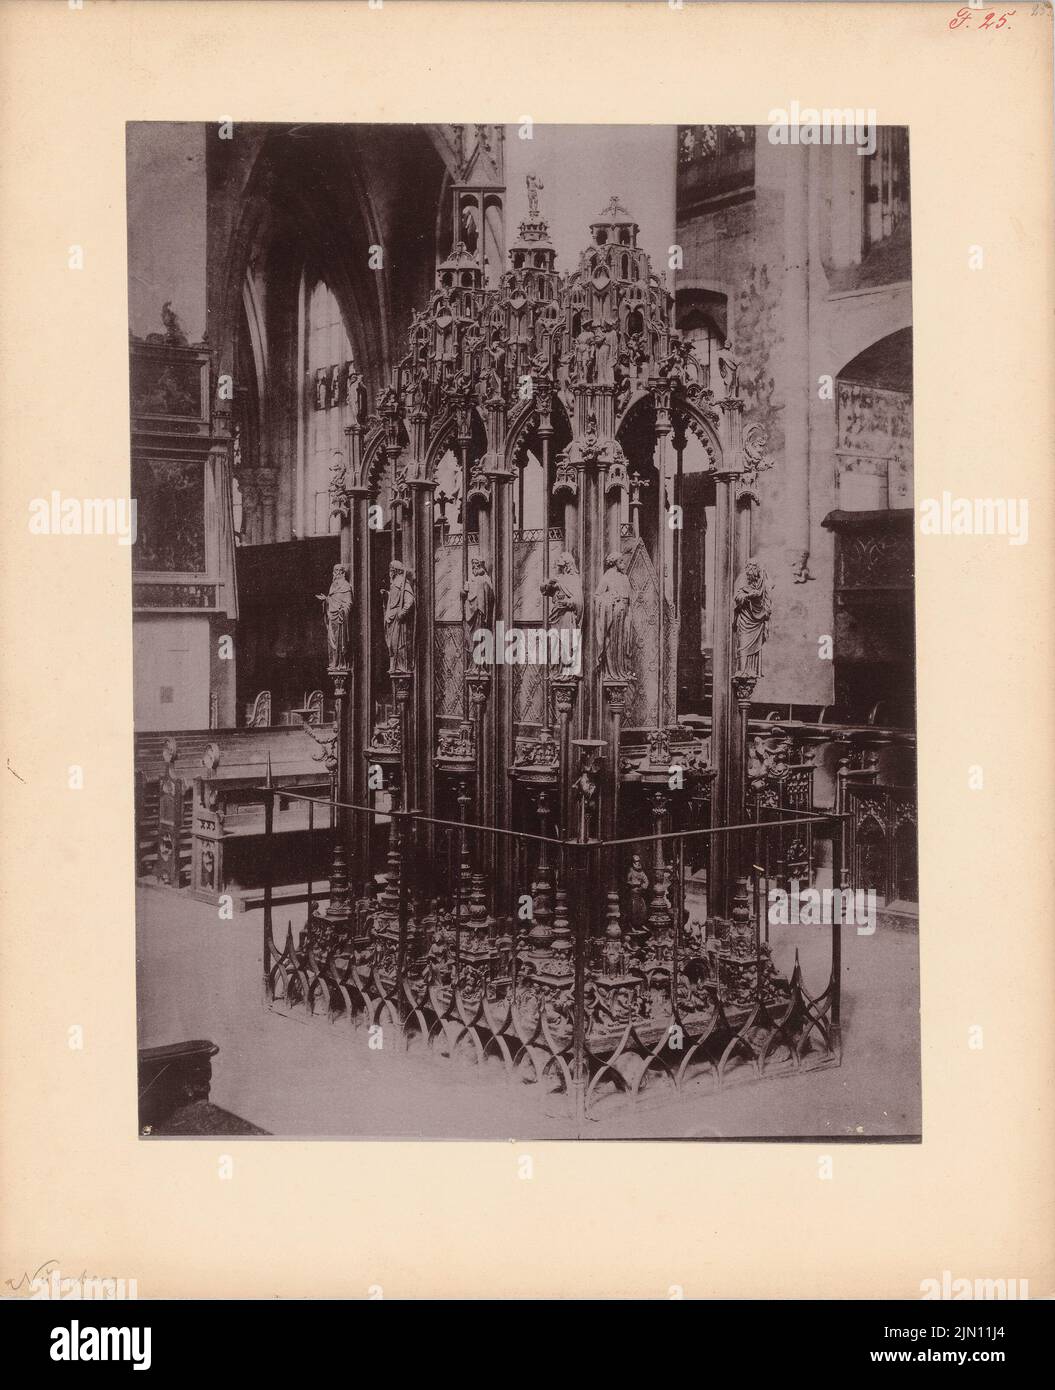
{"x": 166, "y": 224}
{"x": 272, "y": 205}
{"x": 177, "y": 671}
{"x": 770, "y": 254}
{"x": 170, "y": 668}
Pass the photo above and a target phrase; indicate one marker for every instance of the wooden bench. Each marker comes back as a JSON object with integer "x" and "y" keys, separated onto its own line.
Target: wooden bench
{"x": 189, "y": 812}
{"x": 228, "y": 826}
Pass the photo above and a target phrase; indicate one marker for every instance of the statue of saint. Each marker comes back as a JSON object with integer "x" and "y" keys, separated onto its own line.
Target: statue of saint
{"x": 613, "y": 613}
{"x": 729, "y": 367}
{"x": 606, "y": 349}
{"x": 337, "y": 613}
{"x": 676, "y": 364}
{"x": 638, "y": 885}
{"x": 752, "y": 608}
{"x": 447, "y": 341}
{"x": 585, "y": 354}
{"x": 586, "y": 790}
{"x": 534, "y": 188}
{"x": 621, "y": 374}
{"x": 399, "y": 618}
{"x": 470, "y": 234}
{"x": 566, "y": 604}
{"x": 478, "y": 601}
{"x": 339, "y": 504}
{"x": 417, "y": 387}
{"x": 355, "y": 396}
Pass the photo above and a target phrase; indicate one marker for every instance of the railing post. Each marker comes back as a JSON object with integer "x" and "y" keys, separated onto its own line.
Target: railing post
{"x": 401, "y": 947}
{"x": 679, "y": 922}
{"x": 311, "y": 859}
{"x": 578, "y": 1062}
{"x": 838, "y": 829}
{"x": 459, "y": 908}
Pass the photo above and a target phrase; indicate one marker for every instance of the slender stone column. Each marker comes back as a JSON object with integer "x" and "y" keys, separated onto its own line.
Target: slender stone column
{"x": 402, "y": 690}
{"x": 340, "y": 900}
{"x": 544, "y": 425}
{"x": 465, "y": 864}
{"x": 360, "y": 714}
{"x": 615, "y": 700}
{"x": 660, "y": 915}
{"x": 498, "y": 745}
{"x": 795, "y": 301}
{"x": 565, "y": 689}
{"x": 743, "y": 688}
{"x": 339, "y": 907}
{"x": 663, "y": 425}
{"x": 615, "y": 693}
{"x": 479, "y": 682}
{"x": 463, "y": 409}
{"x": 540, "y": 936}
{"x": 719, "y": 887}
{"x": 421, "y": 495}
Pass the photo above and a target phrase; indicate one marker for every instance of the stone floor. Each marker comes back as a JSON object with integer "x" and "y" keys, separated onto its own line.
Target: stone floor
{"x": 200, "y": 977}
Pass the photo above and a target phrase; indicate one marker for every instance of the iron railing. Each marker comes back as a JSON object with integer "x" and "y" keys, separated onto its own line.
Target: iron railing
{"x": 570, "y": 975}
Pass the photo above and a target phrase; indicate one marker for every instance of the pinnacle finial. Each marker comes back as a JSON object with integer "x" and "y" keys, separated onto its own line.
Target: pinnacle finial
{"x": 614, "y": 208}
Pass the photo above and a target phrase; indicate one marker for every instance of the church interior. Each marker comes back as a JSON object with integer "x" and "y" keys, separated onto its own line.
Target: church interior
{"x": 523, "y": 596}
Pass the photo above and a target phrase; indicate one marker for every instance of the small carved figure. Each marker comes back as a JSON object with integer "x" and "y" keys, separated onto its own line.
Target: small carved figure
{"x": 564, "y": 590}
{"x": 470, "y": 233}
{"x": 399, "y": 618}
{"x": 753, "y": 607}
{"x": 622, "y": 380}
{"x": 676, "y": 364}
{"x": 586, "y": 790}
{"x": 356, "y": 396}
{"x": 339, "y": 505}
{"x": 638, "y": 885}
{"x": 540, "y": 364}
{"x": 478, "y": 601}
{"x": 800, "y": 568}
{"x": 585, "y": 354}
{"x": 534, "y": 188}
{"x": 613, "y": 611}
{"x": 729, "y": 367}
{"x": 337, "y": 613}
{"x": 606, "y": 347}
{"x": 418, "y": 391}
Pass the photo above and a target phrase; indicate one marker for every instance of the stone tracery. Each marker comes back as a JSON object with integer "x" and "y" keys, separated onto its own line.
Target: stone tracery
{"x": 584, "y": 375}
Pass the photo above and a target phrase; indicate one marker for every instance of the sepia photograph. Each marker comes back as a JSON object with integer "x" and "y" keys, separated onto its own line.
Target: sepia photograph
{"x": 524, "y": 630}
{"x": 527, "y": 697}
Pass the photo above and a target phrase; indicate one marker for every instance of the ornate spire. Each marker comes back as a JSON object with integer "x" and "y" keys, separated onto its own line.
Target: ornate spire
{"x": 533, "y": 246}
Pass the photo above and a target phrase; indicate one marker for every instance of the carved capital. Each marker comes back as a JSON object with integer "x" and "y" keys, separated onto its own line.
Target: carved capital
{"x": 744, "y": 687}
{"x": 479, "y": 683}
{"x": 565, "y": 689}
{"x": 615, "y": 693}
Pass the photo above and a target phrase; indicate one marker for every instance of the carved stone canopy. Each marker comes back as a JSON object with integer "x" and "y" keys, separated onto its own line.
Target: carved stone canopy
{"x": 606, "y": 327}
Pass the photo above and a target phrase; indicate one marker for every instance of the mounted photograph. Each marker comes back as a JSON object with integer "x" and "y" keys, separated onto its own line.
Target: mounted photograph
{"x": 523, "y": 622}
